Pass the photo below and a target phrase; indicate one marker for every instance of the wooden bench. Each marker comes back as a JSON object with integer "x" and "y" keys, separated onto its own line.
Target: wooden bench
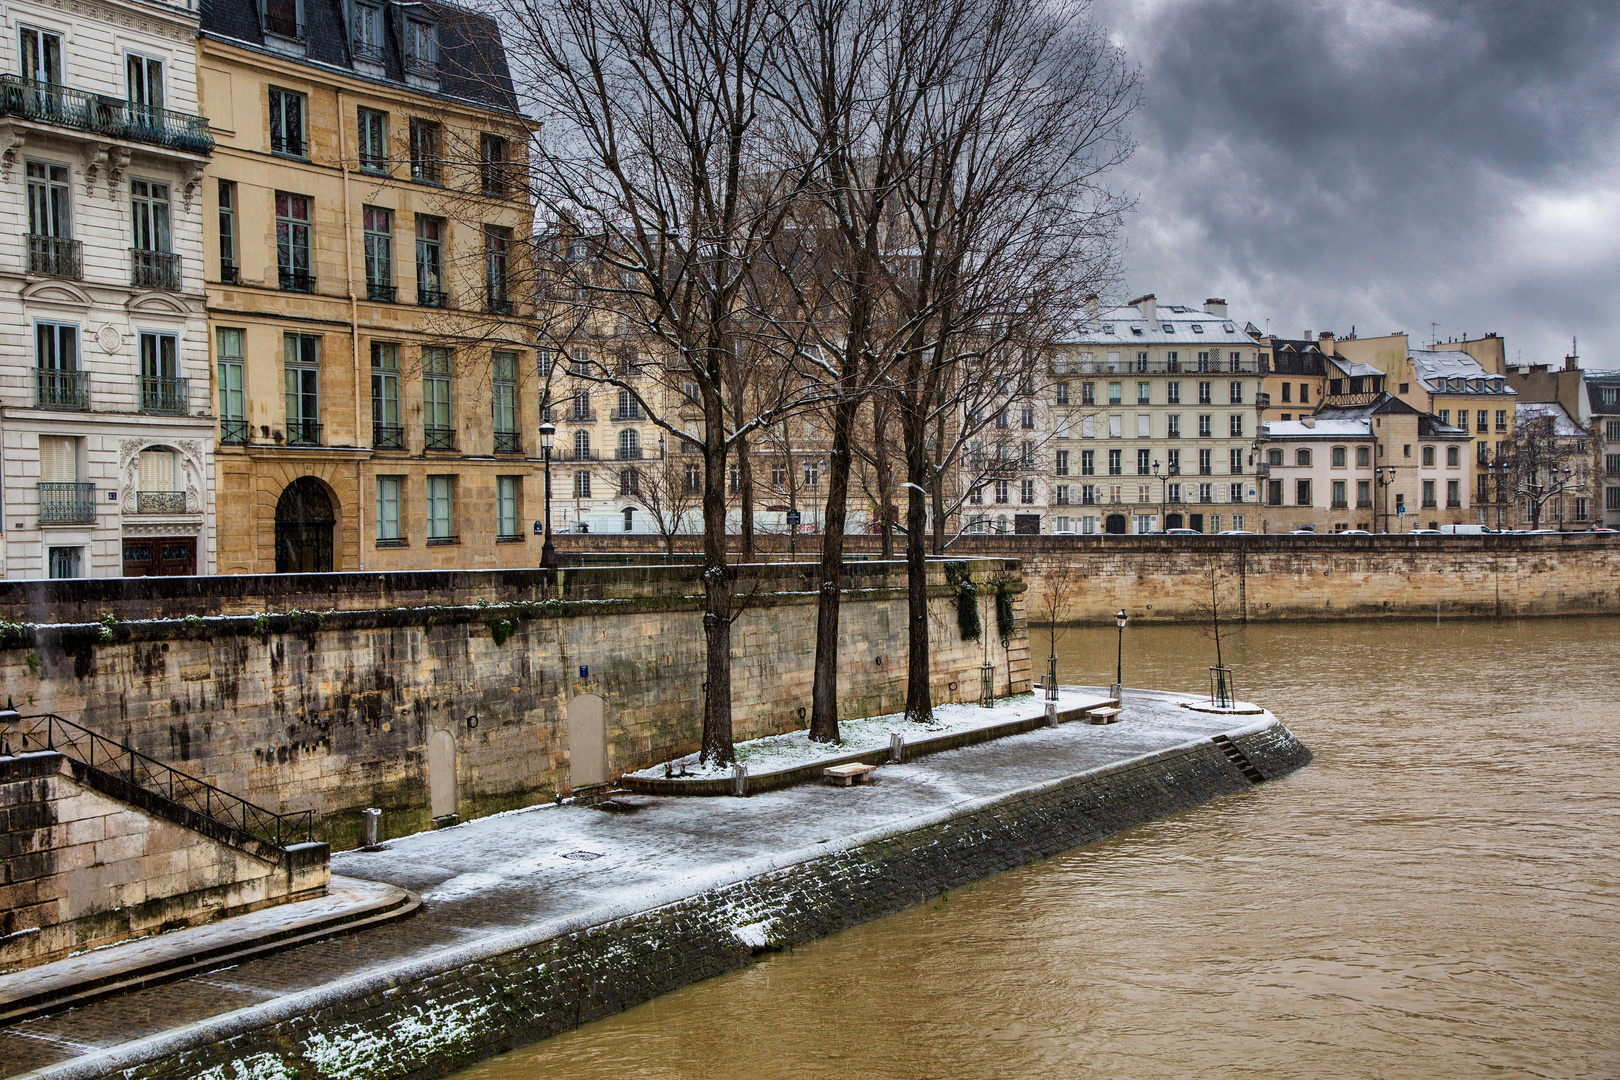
{"x": 845, "y": 775}
{"x": 1105, "y": 715}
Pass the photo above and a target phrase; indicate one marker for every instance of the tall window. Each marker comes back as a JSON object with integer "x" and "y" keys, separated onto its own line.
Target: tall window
{"x": 301, "y": 361}
{"x": 507, "y": 509}
{"x": 229, "y": 272}
{"x": 505, "y": 403}
{"x": 1235, "y": 425}
{"x": 693, "y": 479}
{"x": 153, "y": 266}
{"x": 438, "y": 434}
{"x": 1144, "y": 466}
{"x": 373, "y": 141}
{"x": 440, "y": 511}
{"x": 429, "y": 262}
{"x": 629, "y": 482}
{"x": 1172, "y": 393}
{"x": 1302, "y": 493}
{"x": 284, "y": 18}
{"x": 162, "y": 391}
{"x": 1236, "y": 392}
{"x": 1206, "y": 463}
{"x": 41, "y": 53}
{"x": 1204, "y": 426}
{"x": 492, "y": 165}
{"x": 56, "y": 356}
{"x": 421, "y": 48}
{"x": 630, "y": 447}
{"x": 388, "y": 500}
{"x": 1204, "y": 396}
{"x": 286, "y": 122}
{"x": 424, "y": 151}
{"x": 1234, "y": 462}
{"x": 145, "y": 86}
{"x": 582, "y": 485}
{"x": 386, "y": 431}
{"x": 365, "y": 41}
{"x": 1339, "y": 495}
{"x": 293, "y": 242}
{"x": 1115, "y": 462}
{"x": 51, "y": 249}
{"x": 582, "y": 446}
{"x": 496, "y": 240}
{"x": 379, "y": 241}
{"x": 232, "y": 398}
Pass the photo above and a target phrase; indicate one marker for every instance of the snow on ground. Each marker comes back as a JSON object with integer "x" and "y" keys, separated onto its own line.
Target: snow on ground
{"x": 775, "y": 753}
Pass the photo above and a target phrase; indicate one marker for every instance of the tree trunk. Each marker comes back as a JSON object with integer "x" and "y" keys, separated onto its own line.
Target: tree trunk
{"x": 717, "y": 740}
{"x": 745, "y": 492}
{"x": 829, "y": 583}
{"x": 937, "y": 491}
{"x": 885, "y": 477}
{"x": 919, "y": 692}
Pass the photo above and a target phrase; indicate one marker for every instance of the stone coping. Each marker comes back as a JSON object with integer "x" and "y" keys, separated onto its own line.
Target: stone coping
{"x": 349, "y": 904}
{"x": 777, "y": 779}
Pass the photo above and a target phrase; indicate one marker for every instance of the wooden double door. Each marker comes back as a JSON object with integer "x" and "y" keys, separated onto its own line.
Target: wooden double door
{"x": 160, "y": 556}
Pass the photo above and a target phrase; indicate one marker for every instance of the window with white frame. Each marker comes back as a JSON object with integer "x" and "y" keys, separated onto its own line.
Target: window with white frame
{"x": 440, "y": 509}
{"x": 389, "y": 489}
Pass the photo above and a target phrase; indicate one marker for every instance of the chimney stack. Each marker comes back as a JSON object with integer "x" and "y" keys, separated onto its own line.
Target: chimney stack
{"x": 1091, "y": 307}
{"x": 1326, "y": 341}
{"x": 1572, "y": 362}
{"x": 1308, "y": 421}
{"x": 1215, "y": 306}
{"x": 1148, "y": 305}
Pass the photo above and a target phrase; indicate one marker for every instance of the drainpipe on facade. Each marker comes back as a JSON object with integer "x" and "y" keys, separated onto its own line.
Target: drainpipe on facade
{"x": 354, "y": 328}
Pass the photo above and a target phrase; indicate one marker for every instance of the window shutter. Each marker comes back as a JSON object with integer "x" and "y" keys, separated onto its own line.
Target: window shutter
{"x": 58, "y": 459}
{"x": 156, "y": 470}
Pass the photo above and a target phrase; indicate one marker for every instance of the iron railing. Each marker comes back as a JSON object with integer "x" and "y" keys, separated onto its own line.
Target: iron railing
{"x": 31, "y": 734}
{"x": 430, "y": 297}
{"x": 229, "y": 274}
{"x": 508, "y": 442}
{"x": 575, "y": 455}
{"x": 386, "y": 294}
{"x": 296, "y": 281}
{"x": 154, "y": 270}
{"x": 303, "y": 432}
{"x": 67, "y": 503}
{"x": 48, "y": 103}
{"x": 163, "y": 396}
{"x": 160, "y": 502}
{"x": 233, "y": 432}
{"x": 1132, "y": 366}
{"x": 632, "y": 413}
{"x": 282, "y": 26}
{"x": 387, "y": 437}
{"x": 580, "y": 416}
{"x": 55, "y": 256}
{"x": 62, "y": 389}
{"x": 438, "y": 438}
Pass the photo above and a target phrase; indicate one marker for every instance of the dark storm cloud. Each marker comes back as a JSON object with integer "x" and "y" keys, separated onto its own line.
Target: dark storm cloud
{"x": 1382, "y": 164}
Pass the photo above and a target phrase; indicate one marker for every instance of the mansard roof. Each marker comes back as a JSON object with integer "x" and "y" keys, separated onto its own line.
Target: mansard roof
{"x": 472, "y": 61}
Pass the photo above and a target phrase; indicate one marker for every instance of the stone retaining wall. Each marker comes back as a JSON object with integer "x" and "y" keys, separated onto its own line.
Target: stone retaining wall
{"x": 334, "y": 692}
{"x": 458, "y": 1008}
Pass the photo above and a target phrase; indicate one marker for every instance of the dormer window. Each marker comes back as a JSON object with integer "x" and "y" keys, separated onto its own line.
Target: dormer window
{"x": 365, "y": 34}
{"x": 1167, "y": 328}
{"x": 421, "y": 48}
{"x": 1137, "y": 330}
{"x": 283, "y": 18}
{"x": 1229, "y": 328}
{"x": 1108, "y": 328}
{"x": 1198, "y": 328}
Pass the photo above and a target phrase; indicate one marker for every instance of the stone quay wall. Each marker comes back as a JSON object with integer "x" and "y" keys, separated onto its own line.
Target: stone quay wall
{"x": 459, "y": 1007}
{"x": 338, "y": 692}
{"x": 1161, "y": 578}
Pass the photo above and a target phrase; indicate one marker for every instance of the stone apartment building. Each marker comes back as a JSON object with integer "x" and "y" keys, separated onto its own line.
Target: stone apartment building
{"x": 106, "y": 422}
{"x": 1155, "y": 421}
{"x": 378, "y": 398}
{"x": 1603, "y": 398}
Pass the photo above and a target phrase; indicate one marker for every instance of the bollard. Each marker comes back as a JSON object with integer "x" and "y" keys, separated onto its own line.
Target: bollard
{"x": 1051, "y": 714}
{"x": 370, "y": 819}
{"x": 739, "y": 780}
{"x": 897, "y": 746}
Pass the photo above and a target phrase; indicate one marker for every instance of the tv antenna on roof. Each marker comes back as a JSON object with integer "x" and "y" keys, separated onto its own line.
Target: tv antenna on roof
{"x": 1434, "y": 334}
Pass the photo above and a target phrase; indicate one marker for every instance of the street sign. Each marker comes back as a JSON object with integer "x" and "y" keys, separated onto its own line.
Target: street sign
{"x": 792, "y": 517}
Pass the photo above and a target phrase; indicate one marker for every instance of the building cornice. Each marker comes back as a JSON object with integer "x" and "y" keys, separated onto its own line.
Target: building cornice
{"x": 159, "y": 20}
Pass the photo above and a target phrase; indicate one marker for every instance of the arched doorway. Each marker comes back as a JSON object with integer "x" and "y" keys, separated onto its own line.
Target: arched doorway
{"x": 1173, "y": 521}
{"x": 587, "y": 741}
{"x": 441, "y": 762}
{"x": 1115, "y": 524}
{"x": 304, "y": 521}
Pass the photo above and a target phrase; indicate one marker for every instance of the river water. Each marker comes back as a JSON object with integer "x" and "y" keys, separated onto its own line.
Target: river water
{"x": 1438, "y": 895}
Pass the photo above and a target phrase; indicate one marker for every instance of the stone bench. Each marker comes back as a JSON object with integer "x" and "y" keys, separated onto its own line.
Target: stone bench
{"x": 845, "y": 775}
{"x": 1105, "y": 715}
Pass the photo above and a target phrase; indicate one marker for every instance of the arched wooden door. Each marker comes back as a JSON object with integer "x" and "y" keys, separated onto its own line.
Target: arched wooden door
{"x": 587, "y": 741}
{"x": 443, "y": 799}
{"x": 1115, "y": 524}
{"x": 304, "y": 523}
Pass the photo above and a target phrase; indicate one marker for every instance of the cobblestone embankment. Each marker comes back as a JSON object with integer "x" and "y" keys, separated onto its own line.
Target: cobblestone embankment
{"x": 433, "y": 1016}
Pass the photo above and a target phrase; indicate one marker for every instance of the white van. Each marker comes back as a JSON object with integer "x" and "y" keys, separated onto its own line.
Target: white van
{"x": 1466, "y": 530}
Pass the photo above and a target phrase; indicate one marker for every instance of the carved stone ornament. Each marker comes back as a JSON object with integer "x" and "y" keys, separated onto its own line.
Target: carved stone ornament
{"x": 193, "y": 182}
{"x": 11, "y": 140}
{"x": 110, "y": 338}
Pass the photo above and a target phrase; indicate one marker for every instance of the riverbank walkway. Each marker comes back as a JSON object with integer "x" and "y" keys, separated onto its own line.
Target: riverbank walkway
{"x": 501, "y": 873}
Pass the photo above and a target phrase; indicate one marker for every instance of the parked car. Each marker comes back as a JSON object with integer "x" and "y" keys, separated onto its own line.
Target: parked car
{"x": 1542, "y": 532}
{"x": 1182, "y": 532}
{"x": 1466, "y": 530}
{"x": 1358, "y": 532}
{"x": 1425, "y": 532}
{"x": 1238, "y": 532}
{"x": 1602, "y": 530}
{"x": 1302, "y": 532}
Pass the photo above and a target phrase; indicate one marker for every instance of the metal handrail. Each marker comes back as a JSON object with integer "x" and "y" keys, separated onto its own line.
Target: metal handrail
{"x": 48, "y": 731}
{"x": 52, "y": 104}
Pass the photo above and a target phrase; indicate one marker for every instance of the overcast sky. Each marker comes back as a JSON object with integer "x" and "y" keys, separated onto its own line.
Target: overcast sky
{"x": 1381, "y": 164}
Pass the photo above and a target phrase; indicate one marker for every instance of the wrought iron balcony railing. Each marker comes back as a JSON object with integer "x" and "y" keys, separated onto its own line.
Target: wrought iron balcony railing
{"x": 164, "y": 396}
{"x": 62, "y": 389}
{"x": 508, "y": 442}
{"x": 387, "y": 437}
{"x": 101, "y": 114}
{"x": 160, "y": 502}
{"x": 230, "y": 274}
{"x": 366, "y": 52}
{"x": 630, "y": 453}
{"x": 65, "y": 503}
{"x": 282, "y": 26}
{"x": 55, "y": 256}
{"x": 631, "y": 413}
{"x": 233, "y": 432}
{"x": 427, "y": 296}
{"x": 438, "y": 438}
{"x": 386, "y": 294}
{"x": 303, "y": 432}
{"x": 154, "y": 270}
{"x": 576, "y": 455}
{"x": 296, "y": 280}
{"x": 580, "y": 416}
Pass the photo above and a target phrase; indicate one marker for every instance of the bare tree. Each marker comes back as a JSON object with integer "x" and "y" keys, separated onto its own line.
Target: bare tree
{"x": 669, "y": 487}
{"x": 1061, "y": 579}
{"x": 1545, "y": 460}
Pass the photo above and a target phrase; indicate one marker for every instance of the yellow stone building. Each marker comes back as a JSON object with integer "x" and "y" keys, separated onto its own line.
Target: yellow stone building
{"x": 378, "y": 399}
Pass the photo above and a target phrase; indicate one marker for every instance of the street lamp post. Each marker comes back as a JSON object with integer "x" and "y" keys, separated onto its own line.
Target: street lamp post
{"x": 1118, "y": 688}
{"x": 548, "y": 550}
{"x": 1385, "y": 483}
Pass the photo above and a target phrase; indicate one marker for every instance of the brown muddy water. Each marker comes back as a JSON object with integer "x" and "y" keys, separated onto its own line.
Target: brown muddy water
{"x": 1438, "y": 895}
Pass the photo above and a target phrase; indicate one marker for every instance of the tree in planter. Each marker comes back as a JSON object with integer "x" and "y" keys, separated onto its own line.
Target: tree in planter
{"x": 1213, "y": 596}
{"x": 1060, "y": 581}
